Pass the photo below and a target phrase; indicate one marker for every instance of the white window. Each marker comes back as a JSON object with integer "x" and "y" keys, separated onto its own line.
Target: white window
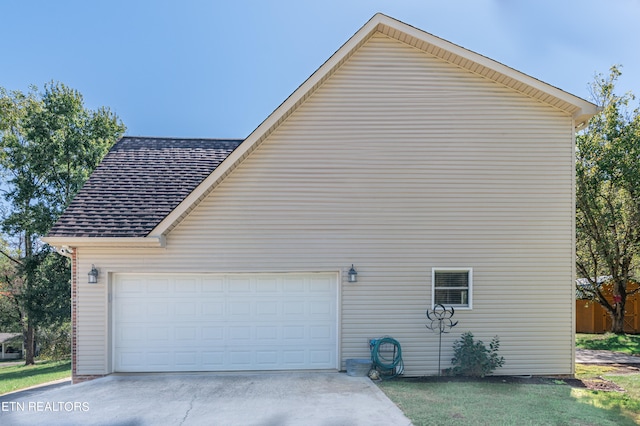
{"x": 451, "y": 287}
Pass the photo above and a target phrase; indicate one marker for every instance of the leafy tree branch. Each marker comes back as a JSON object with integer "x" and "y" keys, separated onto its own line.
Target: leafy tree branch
{"x": 607, "y": 199}
{"x": 49, "y": 145}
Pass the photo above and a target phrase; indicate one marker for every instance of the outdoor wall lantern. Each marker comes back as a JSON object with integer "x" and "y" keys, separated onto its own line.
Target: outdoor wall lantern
{"x": 353, "y": 275}
{"x": 93, "y": 275}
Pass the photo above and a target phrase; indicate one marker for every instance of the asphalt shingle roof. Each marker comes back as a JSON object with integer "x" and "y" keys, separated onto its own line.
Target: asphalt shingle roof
{"x": 138, "y": 183}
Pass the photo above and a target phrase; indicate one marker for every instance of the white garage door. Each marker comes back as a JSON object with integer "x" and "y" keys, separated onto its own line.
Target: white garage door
{"x": 225, "y": 322}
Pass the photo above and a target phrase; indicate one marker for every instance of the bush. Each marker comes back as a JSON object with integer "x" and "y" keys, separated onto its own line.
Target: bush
{"x": 54, "y": 342}
{"x": 473, "y": 359}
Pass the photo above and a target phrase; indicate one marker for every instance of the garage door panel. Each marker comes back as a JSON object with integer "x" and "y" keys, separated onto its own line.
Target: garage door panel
{"x": 162, "y": 360}
{"x": 267, "y": 335}
{"x": 213, "y": 360}
{"x": 294, "y": 357}
{"x": 158, "y": 335}
{"x": 187, "y": 335}
{"x": 320, "y": 285}
{"x": 293, "y": 308}
{"x": 133, "y": 287}
{"x": 130, "y": 312}
{"x": 225, "y": 323}
{"x": 131, "y": 335}
{"x": 239, "y": 285}
{"x": 213, "y": 285}
{"x": 268, "y": 308}
{"x": 292, "y": 285}
{"x": 293, "y": 332}
{"x": 213, "y": 333}
{"x": 158, "y": 309}
{"x": 212, "y": 310}
{"x": 267, "y": 285}
{"x": 239, "y": 308}
{"x": 186, "y": 359}
{"x": 186, "y": 286}
{"x": 320, "y": 356}
{"x": 321, "y": 332}
{"x": 266, "y": 359}
{"x": 240, "y": 334}
{"x": 321, "y": 308}
{"x": 155, "y": 286}
{"x": 132, "y": 360}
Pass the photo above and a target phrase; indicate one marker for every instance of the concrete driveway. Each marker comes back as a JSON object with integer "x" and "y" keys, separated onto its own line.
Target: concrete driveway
{"x": 590, "y": 356}
{"x": 206, "y": 399}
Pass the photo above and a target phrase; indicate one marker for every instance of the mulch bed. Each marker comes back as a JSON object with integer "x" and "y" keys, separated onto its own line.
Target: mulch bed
{"x": 601, "y": 385}
{"x": 598, "y": 383}
{"x": 533, "y": 380}
{"x": 605, "y": 385}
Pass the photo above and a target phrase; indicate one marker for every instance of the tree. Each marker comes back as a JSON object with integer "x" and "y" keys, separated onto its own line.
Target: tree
{"x": 49, "y": 145}
{"x": 608, "y": 199}
{"x": 9, "y": 312}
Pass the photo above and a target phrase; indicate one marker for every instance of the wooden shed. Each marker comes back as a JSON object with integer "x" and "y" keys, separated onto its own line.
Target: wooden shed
{"x": 591, "y": 317}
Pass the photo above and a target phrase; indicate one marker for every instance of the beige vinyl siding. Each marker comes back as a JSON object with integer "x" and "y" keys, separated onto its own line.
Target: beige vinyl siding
{"x": 398, "y": 163}
{"x": 92, "y": 329}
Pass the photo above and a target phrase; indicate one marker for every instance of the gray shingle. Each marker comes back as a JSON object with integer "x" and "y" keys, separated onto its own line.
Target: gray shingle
{"x": 139, "y": 182}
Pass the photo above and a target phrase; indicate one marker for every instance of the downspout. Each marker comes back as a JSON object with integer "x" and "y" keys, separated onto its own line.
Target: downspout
{"x": 68, "y": 252}
{"x": 572, "y": 306}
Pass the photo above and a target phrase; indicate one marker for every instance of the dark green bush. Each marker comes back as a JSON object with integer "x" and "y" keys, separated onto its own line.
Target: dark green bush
{"x": 54, "y": 342}
{"x": 472, "y": 358}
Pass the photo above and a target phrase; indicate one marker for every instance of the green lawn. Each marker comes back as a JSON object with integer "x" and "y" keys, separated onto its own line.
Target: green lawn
{"x": 627, "y": 343}
{"x": 490, "y": 402}
{"x": 20, "y": 376}
{"x": 627, "y": 402}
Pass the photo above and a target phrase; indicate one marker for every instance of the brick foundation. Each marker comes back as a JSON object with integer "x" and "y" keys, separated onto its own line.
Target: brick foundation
{"x": 79, "y": 379}
{"x": 74, "y": 322}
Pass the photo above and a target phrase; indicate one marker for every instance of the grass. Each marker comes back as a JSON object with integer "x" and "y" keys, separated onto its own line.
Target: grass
{"x": 627, "y": 402}
{"x": 20, "y": 376}
{"x": 490, "y": 402}
{"x": 627, "y": 343}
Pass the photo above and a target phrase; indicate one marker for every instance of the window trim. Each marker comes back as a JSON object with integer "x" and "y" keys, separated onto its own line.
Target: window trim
{"x": 469, "y": 272}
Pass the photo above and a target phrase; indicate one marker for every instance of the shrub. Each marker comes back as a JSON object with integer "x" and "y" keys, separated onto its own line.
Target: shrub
{"x": 472, "y": 358}
{"x": 54, "y": 342}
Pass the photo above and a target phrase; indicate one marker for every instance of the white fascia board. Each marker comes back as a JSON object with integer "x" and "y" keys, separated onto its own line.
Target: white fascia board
{"x": 586, "y": 108}
{"x": 133, "y": 242}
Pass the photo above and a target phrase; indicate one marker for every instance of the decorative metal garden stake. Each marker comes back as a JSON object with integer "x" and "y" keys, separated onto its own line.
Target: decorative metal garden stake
{"x": 441, "y": 321}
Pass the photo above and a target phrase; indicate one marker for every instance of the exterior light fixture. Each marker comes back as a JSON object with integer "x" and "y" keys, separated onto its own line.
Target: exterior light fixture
{"x": 353, "y": 275}
{"x": 93, "y": 275}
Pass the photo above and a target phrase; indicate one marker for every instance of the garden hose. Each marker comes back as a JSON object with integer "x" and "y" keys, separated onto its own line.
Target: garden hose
{"x": 387, "y": 361}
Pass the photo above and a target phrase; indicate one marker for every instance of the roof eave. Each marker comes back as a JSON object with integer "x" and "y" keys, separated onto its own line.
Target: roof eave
{"x": 488, "y": 68}
{"x": 582, "y": 117}
{"x": 106, "y": 242}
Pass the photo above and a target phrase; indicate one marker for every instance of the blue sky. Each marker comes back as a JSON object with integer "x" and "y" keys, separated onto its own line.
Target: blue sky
{"x": 197, "y": 68}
